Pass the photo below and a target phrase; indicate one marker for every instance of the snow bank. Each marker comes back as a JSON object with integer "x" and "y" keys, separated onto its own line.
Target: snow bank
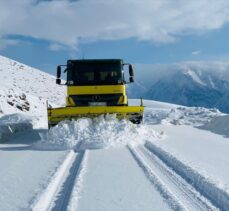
{"x": 153, "y": 104}
{"x": 13, "y": 123}
{"x": 219, "y": 125}
{"x": 191, "y": 116}
{"x": 102, "y": 132}
{"x": 195, "y": 116}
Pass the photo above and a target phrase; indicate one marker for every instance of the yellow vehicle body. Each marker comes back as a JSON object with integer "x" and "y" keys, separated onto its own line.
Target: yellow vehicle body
{"x": 96, "y": 90}
{"x": 94, "y": 97}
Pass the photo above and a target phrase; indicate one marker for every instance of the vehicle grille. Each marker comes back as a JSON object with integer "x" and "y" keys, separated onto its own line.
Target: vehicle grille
{"x": 84, "y": 100}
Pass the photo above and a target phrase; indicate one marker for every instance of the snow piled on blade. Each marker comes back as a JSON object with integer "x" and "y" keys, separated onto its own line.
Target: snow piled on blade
{"x": 101, "y": 132}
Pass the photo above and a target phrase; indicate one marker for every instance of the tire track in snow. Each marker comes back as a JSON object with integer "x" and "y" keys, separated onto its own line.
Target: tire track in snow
{"x": 210, "y": 191}
{"x": 177, "y": 192}
{"x": 171, "y": 201}
{"x": 58, "y": 193}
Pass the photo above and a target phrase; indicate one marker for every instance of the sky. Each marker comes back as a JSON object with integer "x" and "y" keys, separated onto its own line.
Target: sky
{"x": 45, "y": 33}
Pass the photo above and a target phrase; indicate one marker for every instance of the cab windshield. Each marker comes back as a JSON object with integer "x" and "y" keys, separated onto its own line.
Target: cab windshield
{"x": 95, "y": 74}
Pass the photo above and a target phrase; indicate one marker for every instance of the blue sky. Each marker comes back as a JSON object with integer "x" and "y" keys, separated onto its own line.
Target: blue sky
{"x": 54, "y": 31}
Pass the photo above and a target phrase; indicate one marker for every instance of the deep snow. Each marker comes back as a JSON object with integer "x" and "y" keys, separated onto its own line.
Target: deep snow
{"x": 173, "y": 128}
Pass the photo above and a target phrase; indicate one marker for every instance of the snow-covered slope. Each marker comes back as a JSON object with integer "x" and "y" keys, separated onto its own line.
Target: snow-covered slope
{"x": 203, "y": 84}
{"x": 24, "y": 89}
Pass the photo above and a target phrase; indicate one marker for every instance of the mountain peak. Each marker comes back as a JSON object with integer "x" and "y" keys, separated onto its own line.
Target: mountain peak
{"x": 193, "y": 75}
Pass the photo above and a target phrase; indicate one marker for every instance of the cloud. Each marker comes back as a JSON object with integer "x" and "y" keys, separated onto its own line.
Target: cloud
{"x": 196, "y": 53}
{"x": 56, "y": 47}
{"x": 66, "y": 22}
{"x": 4, "y": 42}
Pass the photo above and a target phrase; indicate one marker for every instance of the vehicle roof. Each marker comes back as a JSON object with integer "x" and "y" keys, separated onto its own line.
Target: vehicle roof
{"x": 96, "y": 61}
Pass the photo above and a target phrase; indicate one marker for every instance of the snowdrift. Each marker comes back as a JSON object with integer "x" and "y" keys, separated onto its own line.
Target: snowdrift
{"x": 13, "y": 123}
{"x": 219, "y": 125}
{"x": 178, "y": 115}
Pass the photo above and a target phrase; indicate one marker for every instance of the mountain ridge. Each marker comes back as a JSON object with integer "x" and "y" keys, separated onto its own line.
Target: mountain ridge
{"x": 188, "y": 84}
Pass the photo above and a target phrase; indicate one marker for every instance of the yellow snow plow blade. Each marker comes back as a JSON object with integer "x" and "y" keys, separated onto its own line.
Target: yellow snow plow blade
{"x": 132, "y": 113}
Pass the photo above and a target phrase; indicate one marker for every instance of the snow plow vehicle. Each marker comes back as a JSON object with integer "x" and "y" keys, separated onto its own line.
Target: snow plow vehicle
{"x": 95, "y": 87}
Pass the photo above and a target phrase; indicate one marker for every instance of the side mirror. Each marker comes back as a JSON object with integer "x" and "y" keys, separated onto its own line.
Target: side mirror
{"x": 58, "y": 72}
{"x": 131, "y": 71}
{"x": 58, "y": 81}
{"x": 131, "y": 79}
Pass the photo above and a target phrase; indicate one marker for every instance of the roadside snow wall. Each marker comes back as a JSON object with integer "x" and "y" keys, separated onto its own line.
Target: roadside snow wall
{"x": 13, "y": 123}
{"x": 218, "y": 125}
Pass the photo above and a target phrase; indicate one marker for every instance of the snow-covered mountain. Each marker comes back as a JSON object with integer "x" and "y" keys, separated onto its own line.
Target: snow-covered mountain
{"x": 190, "y": 84}
{"x": 24, "y": 89}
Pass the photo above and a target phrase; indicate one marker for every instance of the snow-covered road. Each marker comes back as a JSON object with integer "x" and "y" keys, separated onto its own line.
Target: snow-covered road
{"x": 57, "y": 195}
{"x": 108, "y": 164}
{"x": 179, "y": 194}
{"x": 123, "y": 178}
{"x": 100, "y": 180}
{"x": 25, "y": 171}
{"x": 115, "y": 182}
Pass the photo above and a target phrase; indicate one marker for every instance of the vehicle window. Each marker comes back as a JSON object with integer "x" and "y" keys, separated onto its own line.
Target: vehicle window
{"x": 99, "y": 74}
